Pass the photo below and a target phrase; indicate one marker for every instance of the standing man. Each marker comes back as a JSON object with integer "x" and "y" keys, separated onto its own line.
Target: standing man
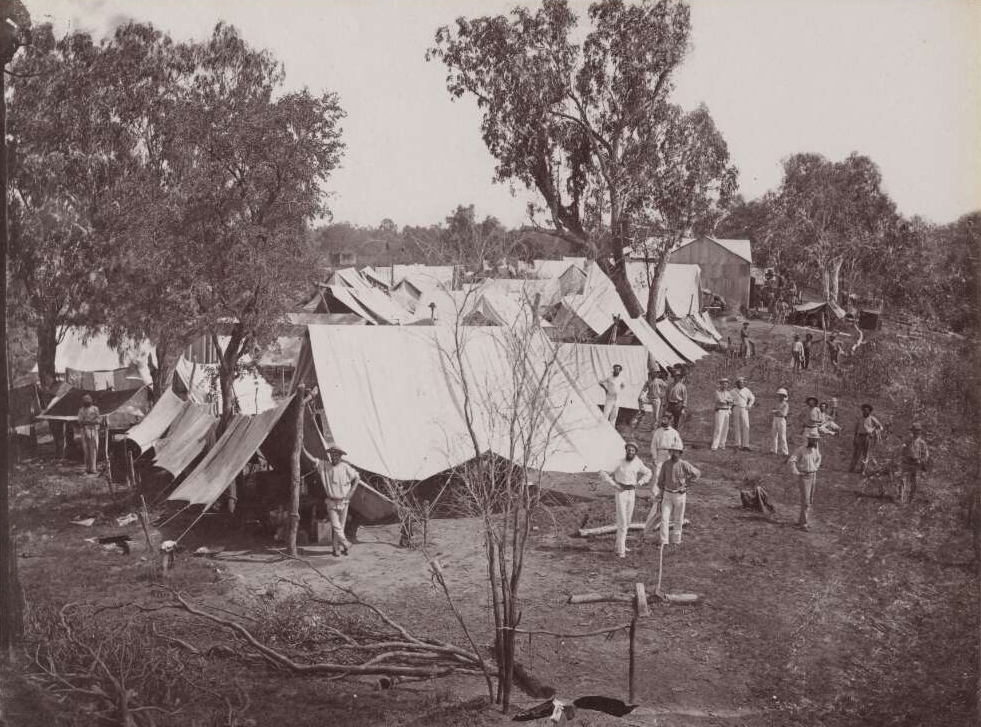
{"x": 89, "y": 419}
{"x": 650, "y": 398}
{"x": 779, "y": 426}
{"x": 867, "y": 428}
{"x": 834, "y": 351}
{"x": 916, "y": 454}
{"x": 663, "y": 440}
{"x": 742, "y": 401}
{"x": 805, "y": 463}
{"x": 808, "y": 342}
{"x": 813, "y": 419}
{"x": 723, "y": 406}
{"x": 797, "y": 351}
{"x": 746, "y": 346}
{"x": 629, "y": 474}
{"x": 671, "y": 488}
{"x": 678, "y": 398}
{"x": 613, "y": 385}
{"x": 339, "y": 480}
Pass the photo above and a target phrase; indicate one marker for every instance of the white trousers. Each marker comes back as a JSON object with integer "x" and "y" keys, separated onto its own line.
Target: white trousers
{"x": 624, "y": 501}
{"x": 672, "y": 516}
{"x": 742, "y": 426}
{"x": 779, "y": 431}
{"x": 610, "y": 411}
{"x": 721, "y": 429}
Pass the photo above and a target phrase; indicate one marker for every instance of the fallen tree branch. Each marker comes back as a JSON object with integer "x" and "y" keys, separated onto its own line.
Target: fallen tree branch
{"x": 606, "y": 529}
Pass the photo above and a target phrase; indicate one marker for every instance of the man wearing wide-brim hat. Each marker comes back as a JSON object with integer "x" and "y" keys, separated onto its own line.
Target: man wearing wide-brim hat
{"x": 630, "y": 474}
{"x": 813, "y": 419}
{"x": 805, "y": 463}
{"x": 89, "y": 419}
{"x": 339, "y": 480}
{"x": 722, "y": 401}
{"x": 778, "y": 427}
{"x": 916, "y": 455}
{"x": 672, "y": 487}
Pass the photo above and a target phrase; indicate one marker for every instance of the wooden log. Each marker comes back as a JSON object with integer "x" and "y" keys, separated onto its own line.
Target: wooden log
{"x": 294, "y": 521}
{"x": 633, "y": 659}
{"x": 640, "y": 603}
{"x": 600, "y": 598}
{"x": 606, "y": 530}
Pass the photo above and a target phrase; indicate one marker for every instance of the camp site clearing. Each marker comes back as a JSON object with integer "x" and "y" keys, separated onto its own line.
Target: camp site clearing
{"x": 786, "y": 620}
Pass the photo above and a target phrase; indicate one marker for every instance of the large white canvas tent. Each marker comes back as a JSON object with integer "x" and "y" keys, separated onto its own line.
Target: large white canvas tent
{"x": 394, "y": 399}
{"x": 588, "y": 364}
{"x": 189, "y": 434}
{"x": 683, "y": 345}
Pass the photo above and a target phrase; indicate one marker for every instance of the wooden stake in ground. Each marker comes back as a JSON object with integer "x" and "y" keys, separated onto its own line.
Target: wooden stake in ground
{"x": 294, "y": 524}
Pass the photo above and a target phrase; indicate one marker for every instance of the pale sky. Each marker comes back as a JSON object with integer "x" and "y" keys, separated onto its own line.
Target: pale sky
{"x": 897, "y": 80}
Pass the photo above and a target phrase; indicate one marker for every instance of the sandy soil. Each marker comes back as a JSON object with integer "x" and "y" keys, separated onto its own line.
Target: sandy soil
{"x": 793, "y": 627}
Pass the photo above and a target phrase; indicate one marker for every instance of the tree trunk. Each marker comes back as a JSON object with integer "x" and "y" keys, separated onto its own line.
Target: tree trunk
{"x": 617, "y": 273}
{"x": 834, "y": 275}
{"x": 161, "y": 375}
{"x": 295, "y": 476}
{"x": 11, "y": 599}
{"x": 826, "y": 282}
{"x": 656, "y": 277}
{"x": 227, "y": 360}
{"x": 47, "y": 345}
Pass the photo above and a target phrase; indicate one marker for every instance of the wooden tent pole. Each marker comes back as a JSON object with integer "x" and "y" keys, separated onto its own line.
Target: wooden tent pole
{"x": 295, "y": 472}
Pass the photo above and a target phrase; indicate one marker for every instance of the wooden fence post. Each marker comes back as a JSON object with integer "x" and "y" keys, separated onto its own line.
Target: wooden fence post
{"x": 294, "y": 524}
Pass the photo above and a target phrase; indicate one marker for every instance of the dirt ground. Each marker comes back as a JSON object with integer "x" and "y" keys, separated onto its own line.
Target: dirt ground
{"x": 869, "y": 618}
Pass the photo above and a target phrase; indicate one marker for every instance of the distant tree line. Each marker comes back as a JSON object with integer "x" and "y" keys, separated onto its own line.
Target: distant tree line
{"x": 831, "y": 226}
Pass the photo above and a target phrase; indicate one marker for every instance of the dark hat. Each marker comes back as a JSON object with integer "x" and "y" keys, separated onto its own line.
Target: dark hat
{"x": 631, "y": 443}
{"x": 809, "y": 399}
{"x": 617, "y": 366}
{"x": 86, "y": 399}
{"x": 866, "y": 406}
{"x": 334, "y": 448}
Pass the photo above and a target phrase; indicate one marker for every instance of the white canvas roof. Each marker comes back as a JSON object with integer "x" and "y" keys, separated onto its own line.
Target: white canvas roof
{"x": 656, "y": 346}
{"x": 588, "y": 364}
{"x": 91, "y": 352}
{"x": 251, "y": 390}
{"x": 155, "y": 423}
{"x": 394, "y": 400}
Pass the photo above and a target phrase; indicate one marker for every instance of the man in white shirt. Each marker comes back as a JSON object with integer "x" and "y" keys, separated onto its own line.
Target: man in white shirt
{"x": 663, "y": 440}
{"x": 722, "y": 399}
{"x": 629, "y": 474}
{"x": 742, "y": 401}
{"x": 339, "y": 479}
{"x": 613, "y": 385}
{"x": 805, "y": 463}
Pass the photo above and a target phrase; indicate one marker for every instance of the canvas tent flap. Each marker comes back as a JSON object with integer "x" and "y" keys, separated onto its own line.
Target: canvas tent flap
{"x": 687, "y": 348}
{"x": 154, "y": 424}
{"x": 191, "y": 432}
{"x": 704, "y": 321}
{"x": 122, "y": 409}
{"x": 588, "y": 364}
{"x": 241, "y": 440}
{"x": 690, "y": 328}
{"x": 394, "y": 400}
{"x": 658, "y": 349}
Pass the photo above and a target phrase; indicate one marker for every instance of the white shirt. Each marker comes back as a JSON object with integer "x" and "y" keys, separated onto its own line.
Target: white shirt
{"x": 339, "y": 479}
{"x": 613, "y": 385}
{"x": 743, "y": 397}
{"x": 629, "y": 472}
{"x": 805, "y": 460}
{"x": 662, "y": 441}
